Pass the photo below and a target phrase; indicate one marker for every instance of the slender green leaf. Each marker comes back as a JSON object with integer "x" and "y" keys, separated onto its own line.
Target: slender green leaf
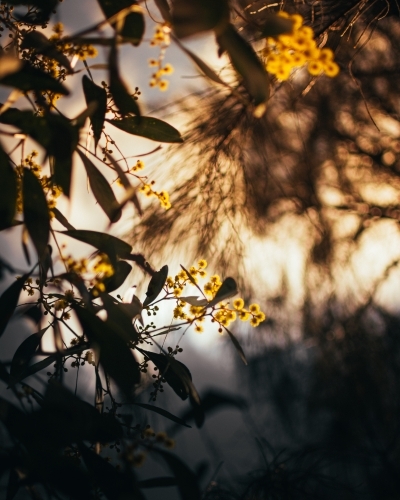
{"x": 133, "y": 24}
{"x": 246, "y": 63}
{"x": 98, "y": 95}
{"x": 124, "y": 101}
{"x": 9, "y": 301}
{"x": 163, "y": 412}
{"x": 156, "y": 284}
{"x": 102, "y": 190}
{"x": 146, "y": 126}
{"x": 36, "y": 212}
{"x": 8, "y": 198}
{"x": 188, "y": 485}
{"x": 25, "y": 352}
{"x": 101, "y": 241}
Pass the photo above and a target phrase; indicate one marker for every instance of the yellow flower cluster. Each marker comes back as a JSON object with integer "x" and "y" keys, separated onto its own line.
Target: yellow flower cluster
{"x": 51, "y": 190}
{"x": 98, "y": 270}
{"x": 221, "y": 313}
{"x": 139, "y": 165}
{"x": 162, "y": 39}
{"x": 68, "y": 49}
{"x": 162, "y": 196}
{"x": 293, "y": 50}
{"x": 254, "y": 314}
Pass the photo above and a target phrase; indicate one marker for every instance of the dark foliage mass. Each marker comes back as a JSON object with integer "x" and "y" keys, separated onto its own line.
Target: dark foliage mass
{"x": 257, "y": 153}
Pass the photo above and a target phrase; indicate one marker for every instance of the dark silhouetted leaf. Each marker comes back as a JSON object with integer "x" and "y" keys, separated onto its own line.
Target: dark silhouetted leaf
{"x": 66, "y": 418}
{"x": 133, "y": 26}
{"x": 8, "y": 198}
{"x": 209, "y": 73}
{"x": 175, "y": 373}
{"x": 211, "y": 401}
{"x": 44, "y": 363}
{"x": 30, "y": 78}
{"x": 114, "y": 484}
{"x": 36, "y": 211}
{"x": 158, "y": 482}
{"x": 9, "y": 301}
{"x": 41, "y": 45}
{"x": 34, "y": 313}
{"x": 246, "y": 63}
{"x": 238, "y": 347}
{"x": 274, "y": 25}
{"x": 121, "y": 272}
{"x": 156, "y": 284}
{"x": 124, "y": 101}
{"x": 114, "y": 354}
{"x": 146, "y": 126}
{"x": 25, "y": 352}
{"x": 189, "y": 18}
{"x": 60, "y": 217}
{"x": 226, "y": 290}
{"x": 194, "y": 301}
{"x": 188, "y": 485}
{"x": 163, "y": 412}
{"x": 101, "y": 241}
{"x": 120, "y": 317}
{"x": 46, "y": 264}
{"x": 102, "y": 190}
{"x": 55, "y": 133}
{"x": 94, "y": 93}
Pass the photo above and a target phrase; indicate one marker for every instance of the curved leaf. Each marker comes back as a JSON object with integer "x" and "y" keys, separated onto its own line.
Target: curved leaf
{"x": 196, "y": 16}
{"x": 121, "y": 271}
{"x": 114, "y": 354}
{"x": 238, "y": 347}
{"x": 94, "y": 93}
{"x": 9, "y": 301}
{"x": 226, "y": 290}
{"x": 102, "y": 190}
{"x": 133, "y": 24}
{"x": 42, "y": 45}
{"x": 156, "y": 284}
{"x": 25, "y": 353}
{"x": 146, "y": 126}
{"x": 36, "y": 212}
{"x": 8, "y": 198}
{"x": 246, "y": 63}
{"x": 124, "y": 101}
{"x": 176, "y": 374}
{"x": 101, "y": 241}
{"x": 31, "y": 78}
